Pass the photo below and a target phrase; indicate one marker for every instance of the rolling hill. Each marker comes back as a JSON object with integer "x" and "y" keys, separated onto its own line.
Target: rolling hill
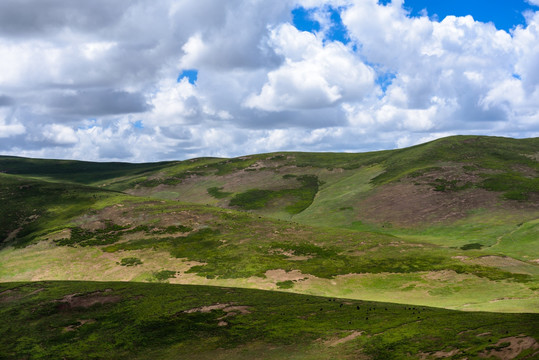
{"x": 453, "y": 223}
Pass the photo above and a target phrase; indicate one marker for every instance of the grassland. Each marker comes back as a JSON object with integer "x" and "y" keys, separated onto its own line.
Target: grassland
{"x": 451, "y": 224}
{"x": 74, "y": 320}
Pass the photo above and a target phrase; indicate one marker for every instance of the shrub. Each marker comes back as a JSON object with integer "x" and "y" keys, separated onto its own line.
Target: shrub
{"x": 164, "y": 275}
{"x": 288, "y": 284}
{"x": 130, "y": 261}
{"x": 472, "y": 246}
{"x": 217, "y": 193}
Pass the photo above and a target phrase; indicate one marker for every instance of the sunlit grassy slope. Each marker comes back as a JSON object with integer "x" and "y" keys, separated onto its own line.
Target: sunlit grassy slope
{"x": 307, "y": 223}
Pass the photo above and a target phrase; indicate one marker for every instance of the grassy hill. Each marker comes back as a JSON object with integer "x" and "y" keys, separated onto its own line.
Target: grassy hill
{"x": 452, "y": 224}
{"x": 74, "y": 320}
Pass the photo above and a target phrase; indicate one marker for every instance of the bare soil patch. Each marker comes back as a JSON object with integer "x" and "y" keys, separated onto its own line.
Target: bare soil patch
{"x": 229, "y": 309}
{"x": 442, "y": 275}
{"x": 352, "y": 336}
{"x": 283, "y": 275}
{"x": 290, "y": 255}
{"x": 80, "y": 323}
{"x": 15, "y": 295}
{"x": 439, "y": 354}
{"x": 408, "y": 204}
{"x": 500, "y": 261}
{"x": 86, "y": 300}
{"x": 515, "y": 347}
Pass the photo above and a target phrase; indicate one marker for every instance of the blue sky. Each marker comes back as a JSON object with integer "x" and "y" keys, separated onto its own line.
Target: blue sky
{"x": 505, "y": 14}
{"x": 161, "y": 80}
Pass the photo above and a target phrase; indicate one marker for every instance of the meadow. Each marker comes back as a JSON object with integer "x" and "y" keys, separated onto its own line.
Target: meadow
{"x": 301, "y": 248}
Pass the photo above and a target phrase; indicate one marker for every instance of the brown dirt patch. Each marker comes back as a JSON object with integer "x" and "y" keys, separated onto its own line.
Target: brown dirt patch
{"x": 407, "y": 204}
{"x": 413, "y": 200}
{"x": 12, "y": 235}
{"x": 15, "y": 295}
{"x": 497, "y": 261}
{"x": 438, "y": 354}
{"x": 229, "y": 309}
{"x": 517, "y": 345}
{"x": 86, "y": 300}
{"x": 80, "y": 323}
{"x": 9, "y": 296}
{"x": 289, "y": 255}
{"x": 352, "y": 336}
{"x": 442, "y": 275}
{"x": 138, "y": 214}
{"x": 283, "y": 275}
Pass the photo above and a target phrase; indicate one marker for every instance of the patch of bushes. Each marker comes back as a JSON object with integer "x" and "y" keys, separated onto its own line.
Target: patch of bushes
{"x": 79, "y": 236}
{"x": 173, "y": 180}
{"x": 253, "y": 199}
{"x": 217, "y": 193}
{"x": 514, "y": 185}
{"x": 112, "y": 233}
{"x": 229, "y": 166}
{"x": 130, "y": 261}
{"x": 164, "y": 275}
{"x": 471, "y": 246}
{"x": 288, "y": 284}
{"x": 173, "y": 229}
{"x": 256, "y": 199}
{"x": 304, "y": 249}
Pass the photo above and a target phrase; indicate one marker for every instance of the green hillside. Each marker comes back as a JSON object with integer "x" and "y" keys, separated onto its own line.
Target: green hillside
{"x": 453, "y": 223}
{"x": 74, "y": 320}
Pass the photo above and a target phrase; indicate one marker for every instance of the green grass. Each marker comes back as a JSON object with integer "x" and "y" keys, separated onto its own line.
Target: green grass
{"x": 35, "y": 206}
{"x": 130, "y": 261}
{"x": 303, "y": 196}
{"x": 217, "y": 193}
{"x": 161, "y": 321}
{"x": 76, "y": 171}
{"x": 514, "y": 185}
{"x": 325, "y": 192}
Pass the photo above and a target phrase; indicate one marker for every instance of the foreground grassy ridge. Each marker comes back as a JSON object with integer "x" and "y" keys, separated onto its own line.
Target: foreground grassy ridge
{"x": 77, "y": 320}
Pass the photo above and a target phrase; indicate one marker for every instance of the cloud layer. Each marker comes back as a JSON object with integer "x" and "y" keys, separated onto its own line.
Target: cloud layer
{"x": 99, "y": 80}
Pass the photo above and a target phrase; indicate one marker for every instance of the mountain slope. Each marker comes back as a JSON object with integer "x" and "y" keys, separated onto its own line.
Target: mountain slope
{"x": 312, "y": 223}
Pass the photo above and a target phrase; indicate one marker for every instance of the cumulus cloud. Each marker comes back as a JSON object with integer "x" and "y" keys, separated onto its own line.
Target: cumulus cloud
{"x": 313, "y": 74}
{"x": 99, "y": 80}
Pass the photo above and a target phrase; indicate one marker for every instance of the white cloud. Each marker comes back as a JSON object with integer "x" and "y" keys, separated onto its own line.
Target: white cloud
{"x": 313, "y": 74}
{"x": 100, "y": 84}
{"x": 60, "y": 135}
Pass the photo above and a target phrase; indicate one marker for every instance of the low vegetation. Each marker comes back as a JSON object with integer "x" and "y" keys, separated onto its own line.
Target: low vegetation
{"x": 451, "y": 223}
{"x": 139, "y": 321}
